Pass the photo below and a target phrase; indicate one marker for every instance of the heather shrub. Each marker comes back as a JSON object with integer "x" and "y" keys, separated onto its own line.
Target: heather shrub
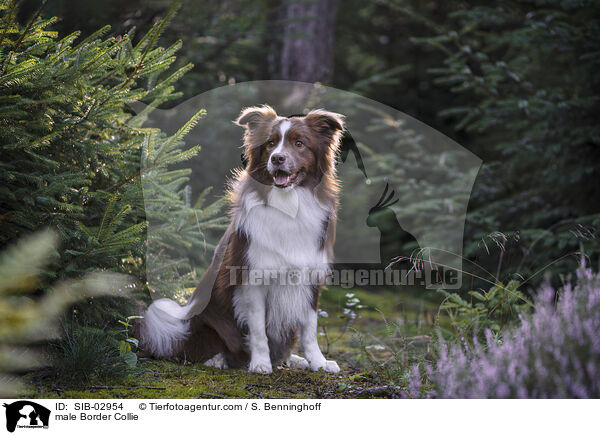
{"x": 553, "y": 353}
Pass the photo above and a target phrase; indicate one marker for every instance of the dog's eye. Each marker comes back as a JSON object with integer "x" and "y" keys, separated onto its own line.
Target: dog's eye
{"x": 271, "y": 143}
{"x": 299, "y": 143}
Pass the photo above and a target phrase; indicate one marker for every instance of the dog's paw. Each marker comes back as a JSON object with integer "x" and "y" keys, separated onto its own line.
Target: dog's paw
{"x": 297, "y": 362}
{"x": 218, "y": 361}
{"x": 262, "y": 367}
{"x": 329, "y": 366}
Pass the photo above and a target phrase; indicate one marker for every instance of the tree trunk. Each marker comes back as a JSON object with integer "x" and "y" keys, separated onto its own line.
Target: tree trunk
{"x": 308, "y": 35}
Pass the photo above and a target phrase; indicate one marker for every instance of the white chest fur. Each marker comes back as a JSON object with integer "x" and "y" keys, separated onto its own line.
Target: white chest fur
{"x": 284, "y": 235}
{"x": 287, "y": 232}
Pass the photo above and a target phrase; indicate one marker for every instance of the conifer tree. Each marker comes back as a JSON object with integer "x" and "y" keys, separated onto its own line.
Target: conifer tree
{"x": 71, "y": 151}
{"x": 526, "y": 83}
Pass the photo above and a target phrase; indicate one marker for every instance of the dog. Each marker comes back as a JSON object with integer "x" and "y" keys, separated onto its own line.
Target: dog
{"x": 283, "y": 213}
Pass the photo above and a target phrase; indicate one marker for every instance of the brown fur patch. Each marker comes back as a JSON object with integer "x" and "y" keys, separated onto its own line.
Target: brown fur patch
{"x": 216, "y": 330}
{"x": 281, "y": 350}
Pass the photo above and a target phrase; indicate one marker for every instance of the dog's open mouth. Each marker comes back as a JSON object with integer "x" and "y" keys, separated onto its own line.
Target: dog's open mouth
{"x": 284, "y": 178}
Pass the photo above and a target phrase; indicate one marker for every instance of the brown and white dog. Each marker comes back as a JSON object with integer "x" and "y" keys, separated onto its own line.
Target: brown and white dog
{"x": 283, "y": 212}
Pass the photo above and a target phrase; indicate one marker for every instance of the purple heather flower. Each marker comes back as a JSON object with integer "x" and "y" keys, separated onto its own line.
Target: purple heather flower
{"x": 553, "y": 353}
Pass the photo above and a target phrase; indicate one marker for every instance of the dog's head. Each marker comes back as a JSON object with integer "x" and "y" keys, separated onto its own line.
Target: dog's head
{"x": 286, "y": 152}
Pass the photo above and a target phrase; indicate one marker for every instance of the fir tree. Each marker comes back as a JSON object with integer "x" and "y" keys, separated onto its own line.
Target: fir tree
{"x": 71, "y": 151}
{"x": 526, "y": 84}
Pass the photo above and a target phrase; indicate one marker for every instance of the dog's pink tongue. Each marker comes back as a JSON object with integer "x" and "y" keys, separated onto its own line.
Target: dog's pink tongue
{"x": 281, "y": 178}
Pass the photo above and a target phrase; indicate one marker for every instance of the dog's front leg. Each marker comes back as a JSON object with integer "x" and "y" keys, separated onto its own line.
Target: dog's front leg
{"x": 251, "y": 303}
{"x": 310, "y": 345}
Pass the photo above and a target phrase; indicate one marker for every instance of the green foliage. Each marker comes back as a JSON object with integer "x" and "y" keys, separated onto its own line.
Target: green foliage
{"x": 430, "y": 176}
{"x": 72, "y": 149}
{"x": 27, "y": 319}
{"x": 350, "y": 313}
{"x": 176, "y": 243}
{"x": 73, "y": 156}
{"x": 491, "y": 310}
{"x": 525, "y": 75}
{"x": 391, "y": 360}
{"x": 224, "y": 41}
{"x": 84, "y": 356}
{"x": 129, "y": 344}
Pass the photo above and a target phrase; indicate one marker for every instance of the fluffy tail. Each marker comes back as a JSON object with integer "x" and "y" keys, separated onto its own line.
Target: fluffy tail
{"x": 166, "y": 324}
{"x": 164, "y": 327}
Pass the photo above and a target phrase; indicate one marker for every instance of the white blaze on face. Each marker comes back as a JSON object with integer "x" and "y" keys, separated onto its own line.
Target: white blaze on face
{"x": 283, "y": 128}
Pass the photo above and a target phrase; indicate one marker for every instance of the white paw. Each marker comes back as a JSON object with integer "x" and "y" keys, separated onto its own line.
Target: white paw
{"x": 263, "y": 367}
{"x": 297, "y": 362}
{"x": 218, "y": 361}
{"x": 329, "y": 366}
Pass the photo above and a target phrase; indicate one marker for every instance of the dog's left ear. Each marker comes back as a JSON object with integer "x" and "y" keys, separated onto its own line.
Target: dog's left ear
{"x": 326, "y": 123}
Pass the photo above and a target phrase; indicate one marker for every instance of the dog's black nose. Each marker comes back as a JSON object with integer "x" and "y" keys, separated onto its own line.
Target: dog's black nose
{"x": 277, "y": 159}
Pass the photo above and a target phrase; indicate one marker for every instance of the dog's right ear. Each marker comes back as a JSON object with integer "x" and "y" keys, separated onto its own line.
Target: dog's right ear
{"x": 252, "y": 117}
{"x": 255, "y": 121}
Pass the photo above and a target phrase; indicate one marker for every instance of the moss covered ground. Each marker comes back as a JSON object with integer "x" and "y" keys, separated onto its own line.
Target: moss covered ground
{"x": 390, "y": 325}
